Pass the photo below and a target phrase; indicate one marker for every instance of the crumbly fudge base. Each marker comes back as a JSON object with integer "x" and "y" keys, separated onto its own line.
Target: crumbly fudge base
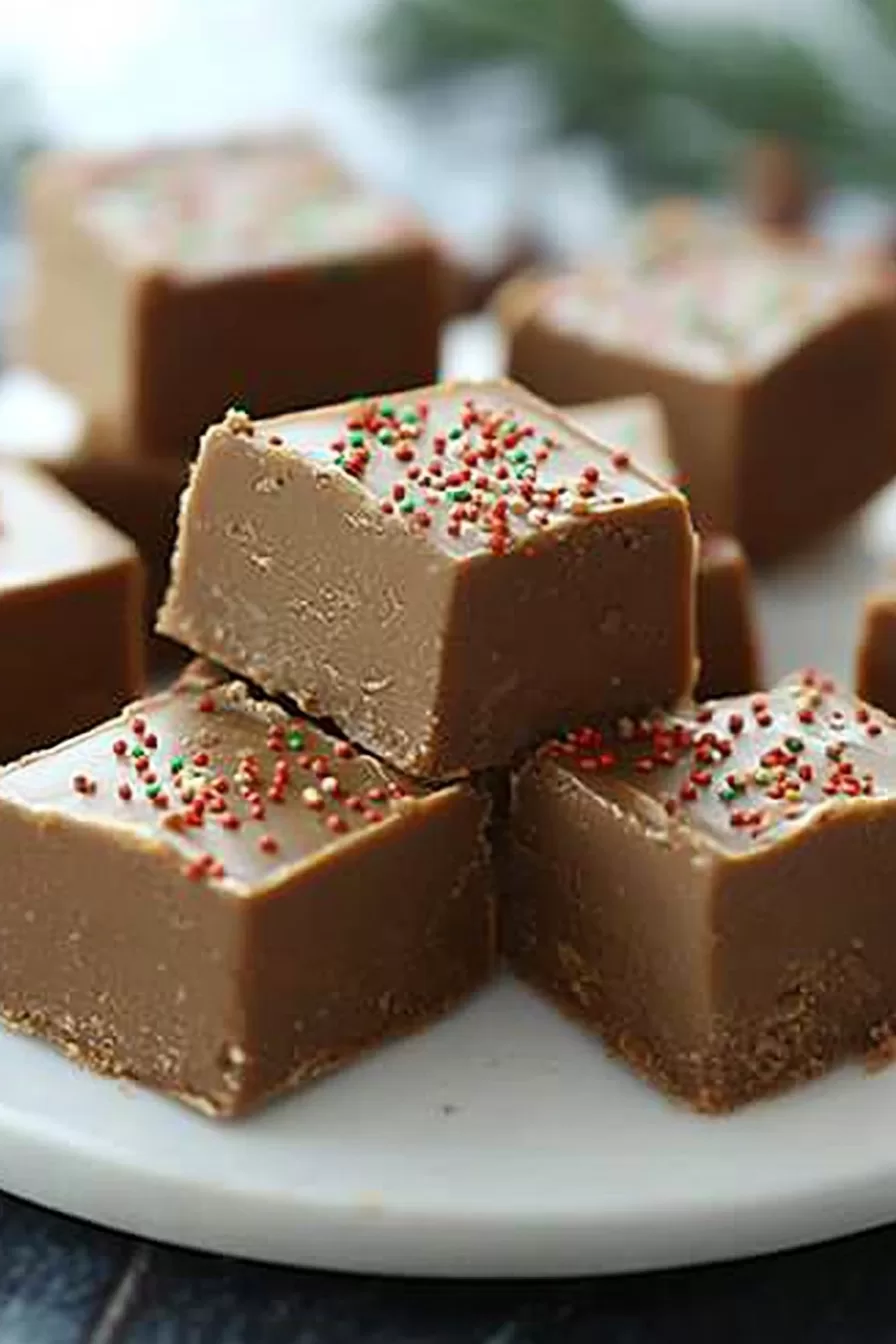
{"x": 92, "y": 1045}
{"x": 831, "y": 1014}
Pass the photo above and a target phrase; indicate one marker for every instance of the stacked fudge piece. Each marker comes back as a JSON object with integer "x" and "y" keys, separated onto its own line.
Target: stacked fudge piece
{"x": 168, "y": 283}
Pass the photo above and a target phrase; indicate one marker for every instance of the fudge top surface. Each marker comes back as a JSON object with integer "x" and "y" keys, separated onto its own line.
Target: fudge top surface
{"x": 741, "y": 774}
{"x": 473, "y": 467}
{"x": 711, "y": 300}
{"x": 634, "y": 424}
{"x": 47, "y": 535}
{"x": 236, "y": 790}
{"x": 242, "y": 205}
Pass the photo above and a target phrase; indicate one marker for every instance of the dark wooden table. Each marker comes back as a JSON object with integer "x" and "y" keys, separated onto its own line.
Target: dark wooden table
{"x": 66, "y": 1282}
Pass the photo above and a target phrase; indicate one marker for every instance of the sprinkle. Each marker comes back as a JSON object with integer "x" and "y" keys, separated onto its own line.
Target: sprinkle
{"x": 125, "y": 792}
{"x": 139, "y": 726}
{"x": 338, "y": 825}
{"x": 268, "y": 844}
{"x": 312, "y": 798}
{"x": 205, "y": 703}
{"x": 120, "y": 747}
{"x": 83, "y": 784}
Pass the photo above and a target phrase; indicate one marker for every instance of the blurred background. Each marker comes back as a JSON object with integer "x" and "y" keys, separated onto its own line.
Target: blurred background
{"x": 517, "y": 125}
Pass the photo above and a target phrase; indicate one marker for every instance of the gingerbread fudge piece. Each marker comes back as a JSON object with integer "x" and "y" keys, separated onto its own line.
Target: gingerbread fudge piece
{"x": 450, "y": 574}
{"x": 772, "y": 358}
{"x": 876, "y": 667}
{"x": 71, "y": 591}
{"x": 220, "y": 901}
{"x": 712, "y": 891}
{"x": 727, "y": 640}
{"x": 140, "y": 497}
{"x": 171, "y": 283}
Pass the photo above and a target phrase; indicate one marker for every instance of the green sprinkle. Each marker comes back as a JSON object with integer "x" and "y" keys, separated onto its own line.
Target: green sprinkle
{"x": 295, "y": 741}
{"x": 386, "y": 437}
{"x": 409, "y": 417}
{"x": 407, "y": 506}
{"x": 459, "y": 496}
{"x": 153, "y": 790}
{"x": 339, "y": 460}
{"x": 177, "y": 764}
{"x": 727, "y": 794}
{"x": 793, "y": 743}
{"x": 137, "y": 752}
{"x": 455, "y": 433}
{"x": 387, "y": 409}
{"x": 762, "y": 777}
{"x": 356, "y": 438}
{"x": 519, "y": 455}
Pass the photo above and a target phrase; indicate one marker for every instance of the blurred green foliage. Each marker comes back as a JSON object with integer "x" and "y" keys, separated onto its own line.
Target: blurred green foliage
{"x": 671, "y": 101}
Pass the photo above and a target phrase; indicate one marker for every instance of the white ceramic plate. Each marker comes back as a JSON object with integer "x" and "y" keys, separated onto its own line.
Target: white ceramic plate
{"x": 503, "y": 1141}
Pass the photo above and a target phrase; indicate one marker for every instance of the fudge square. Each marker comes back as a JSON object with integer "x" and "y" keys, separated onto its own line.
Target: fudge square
{"x": 727, "y": 642}
{"x": 772, "y": 358}
{"x": 139, "y": 496}
{"x": 450, "y": 573}
{"x": 876, "y": 669}
{"x": 220, "y": 901}
{"x": 712, "y": 891}
{"x": 170, "y": 283}
{"x": 71, "y": 590}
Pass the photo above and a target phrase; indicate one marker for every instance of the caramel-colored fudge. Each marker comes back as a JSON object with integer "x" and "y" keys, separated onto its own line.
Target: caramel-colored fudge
{"x": 71, "y": 590}
{"x": 712, "y": 891}
{"x": 140, "y": 497}
{"x": 726, "y": 629}
{"x": 172, "y": 283}
{"x": 222, "y": 902}
{"x": 450, "y": 574}
{"x": 772, "y": 359}
{"x": 876, "y": 670}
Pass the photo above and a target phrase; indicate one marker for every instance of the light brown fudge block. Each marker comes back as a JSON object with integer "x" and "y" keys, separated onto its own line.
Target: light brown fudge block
{"x": 140, "y": 497}
{"x": 222, "y": 902}
{"x": 772, "y": 358}
{"x": 876, "y": 663}
{"x": 449, "y": 573}
{"x": 727, "y": 640}
{"x": 71, "y": 591}
{"x": 712, "y": 891}
{"x": 171, "y": 283}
